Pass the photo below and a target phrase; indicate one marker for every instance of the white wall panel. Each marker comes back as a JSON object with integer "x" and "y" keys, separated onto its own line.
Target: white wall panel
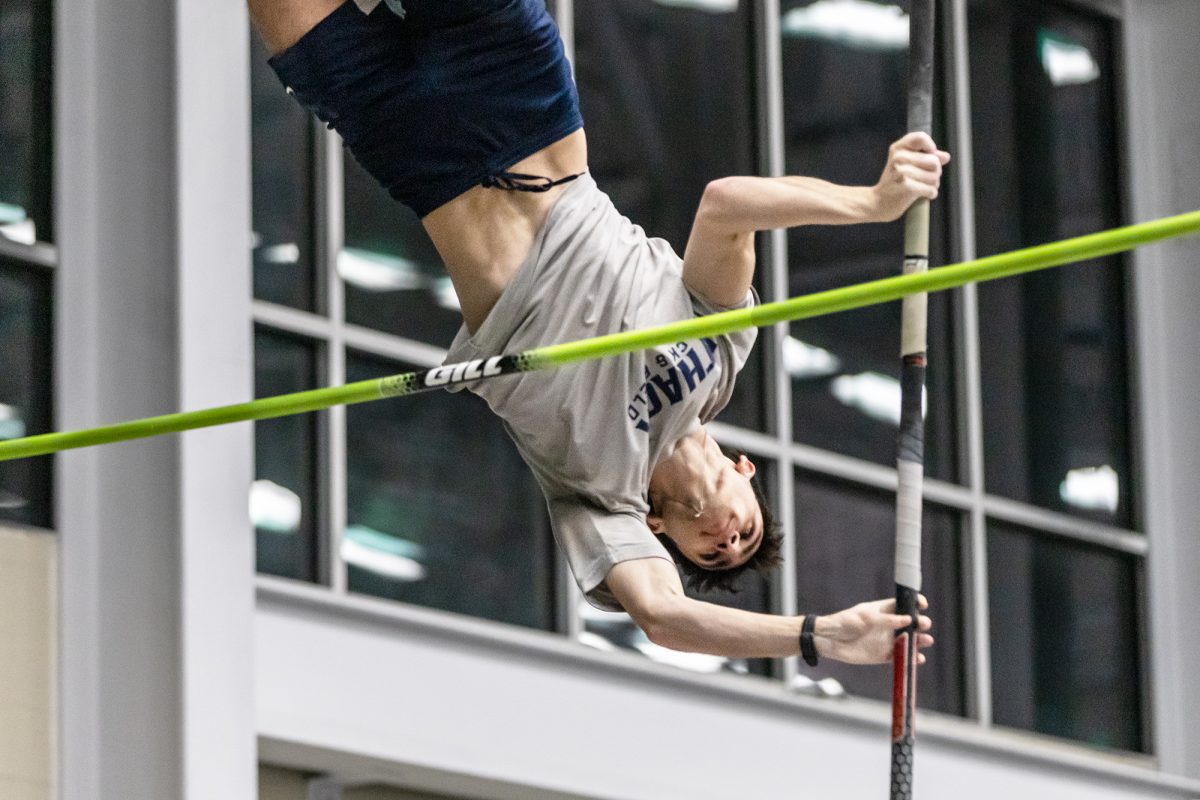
{"x": 1164, "y": 142}
{"x": 152, "y": 314}
{"x": 421, "y": 691}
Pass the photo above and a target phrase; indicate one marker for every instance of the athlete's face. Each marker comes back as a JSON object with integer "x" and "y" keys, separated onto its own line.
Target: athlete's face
{"x": 725, "y": 527}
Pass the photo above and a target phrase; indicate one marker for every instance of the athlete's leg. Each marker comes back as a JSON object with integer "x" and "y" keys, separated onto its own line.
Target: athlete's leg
{"x": 281, "y": 23}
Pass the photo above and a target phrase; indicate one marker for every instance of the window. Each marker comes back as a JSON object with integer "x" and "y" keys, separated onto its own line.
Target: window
{"x": 389, "y": 263}
{"x": 283, "y": 152}
{"x": 664, "y": 118}
{"x": 25, "y": 380}
{"x": 844, "y": 101}
{"x": 1053, "y": 344}
{"x": 1064, "y": 638}
{"x": 1054, "y": 372}
{"x": 440, "y": 509}
{"x": 844, "y": 536}
{"x": 1030, "y": 512}
{"x": 26, "y": 260}
{"x": 426, "y": 498}
{"x": 285, "y": 498}
{"x": 25, "y": 121}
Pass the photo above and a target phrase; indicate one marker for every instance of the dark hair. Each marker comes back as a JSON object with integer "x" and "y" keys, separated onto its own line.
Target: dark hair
{"x": 765, "y": 558}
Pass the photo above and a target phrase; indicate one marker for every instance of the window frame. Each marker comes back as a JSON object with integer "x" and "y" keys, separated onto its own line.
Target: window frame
{"x": 968, "y": 497}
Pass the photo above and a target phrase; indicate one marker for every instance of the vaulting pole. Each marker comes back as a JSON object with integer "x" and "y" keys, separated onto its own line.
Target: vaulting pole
{"x": 910, "y": 456}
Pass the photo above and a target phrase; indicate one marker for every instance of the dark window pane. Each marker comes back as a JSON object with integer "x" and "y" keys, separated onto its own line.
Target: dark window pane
{"x": 1056, "y": 418}
{"x": 844, "y": 104}
{"x": 442, "y": 512}
{"x": 845, "y": 544}
{"x": 394, "y": 278}
{"x": 26, "y": 357}
{"x": 605, "y": 630}
{"x": 664, "y": 117}
{"x": 284, "y": 498}
{"x": 1064, "y": 638}
{"x": 25, "y": 120}
{"x": 282, "y": 142}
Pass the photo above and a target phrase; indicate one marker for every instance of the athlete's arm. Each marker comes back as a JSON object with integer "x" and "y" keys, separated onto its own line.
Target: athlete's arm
{"x": 650, "y": 590}
{"x": 718, "y": 263}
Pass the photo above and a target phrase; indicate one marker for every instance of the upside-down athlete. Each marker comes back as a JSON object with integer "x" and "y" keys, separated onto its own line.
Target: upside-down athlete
{"x": 466, "y": 111}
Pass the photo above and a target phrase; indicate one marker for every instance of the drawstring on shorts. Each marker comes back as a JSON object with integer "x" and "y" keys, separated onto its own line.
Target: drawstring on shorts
{"x": 518, "y": 182}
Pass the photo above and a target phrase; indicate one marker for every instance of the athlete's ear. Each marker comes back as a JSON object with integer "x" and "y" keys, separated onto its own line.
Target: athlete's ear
{"x": 655, "y": 523}
{"x": 745, "y": 466}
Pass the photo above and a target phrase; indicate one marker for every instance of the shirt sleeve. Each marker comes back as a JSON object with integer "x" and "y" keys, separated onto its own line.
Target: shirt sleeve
{"x": 596, "y": 540}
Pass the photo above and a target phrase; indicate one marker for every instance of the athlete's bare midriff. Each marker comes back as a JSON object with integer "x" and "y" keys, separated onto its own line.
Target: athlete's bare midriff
{"x": 482, "y": 235}
{"x": 485, "y": 234}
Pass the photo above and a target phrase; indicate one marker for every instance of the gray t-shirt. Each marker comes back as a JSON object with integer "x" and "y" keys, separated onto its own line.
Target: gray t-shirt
{"x": 592, "y": 432}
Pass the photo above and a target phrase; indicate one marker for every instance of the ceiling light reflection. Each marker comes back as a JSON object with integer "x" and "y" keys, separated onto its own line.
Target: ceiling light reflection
{"x": 12, "y": 426}
{"x": 1066, "y": 63}
{"x": 876, "y": 395}
{"x": 803, "y": 360}
{"x": 287, "y": 253}
{"x": 23, "y": 232}
{"x": 1092, "y": 488}
{"x": 10, "y": 213}
{"x": 10, "y": 501}
{"x": 275, "y": 508}
{"x": 711, "y": 6}
{"x": 379, "y": 272}
{"x": 855, "y": 23}
{"x": 389, "y": 556}
{"x": 444, "y": 294}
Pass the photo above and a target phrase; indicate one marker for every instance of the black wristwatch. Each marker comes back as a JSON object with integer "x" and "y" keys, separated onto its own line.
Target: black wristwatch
{"x": 808, "y": 648}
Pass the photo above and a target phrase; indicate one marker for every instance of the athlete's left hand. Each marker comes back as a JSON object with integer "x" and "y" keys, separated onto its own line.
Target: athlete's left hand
{"x": 864, "y": 634}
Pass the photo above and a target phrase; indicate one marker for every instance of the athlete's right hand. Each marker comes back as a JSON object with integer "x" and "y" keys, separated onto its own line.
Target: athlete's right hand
{"x": 913, "y": 171}
{"x": 864, "y": 634}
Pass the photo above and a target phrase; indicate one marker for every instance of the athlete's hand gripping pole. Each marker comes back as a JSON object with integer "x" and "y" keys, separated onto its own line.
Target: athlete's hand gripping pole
{"x": 911, "y": 443}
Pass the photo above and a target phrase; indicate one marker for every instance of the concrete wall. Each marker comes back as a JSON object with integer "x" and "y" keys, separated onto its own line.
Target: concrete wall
{"x": 1164, "y": 140}
{"x": 28, "y": 664}
{"x": 376, "y": 692}
{"x": 152, "y": 316}
{"x": 276, "y": 783}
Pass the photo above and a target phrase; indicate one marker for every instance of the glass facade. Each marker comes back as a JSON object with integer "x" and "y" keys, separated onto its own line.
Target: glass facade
{"x": 26, "y": 333}
{"x": 663, "y": 119}
{"x": 283, "y": 150}
{"x": 844, "y": 536}
{"x": 440, "y": 509}
{"x": 432, "y": 505}
{"x": 26, "y": 84}
{"x": 1064, "y": 638}
{"x": 844, "y": 104}
{"x": 284, "y": 500}
{"x": 26, "y": 263}
{"x": 388, "y": 263}
{"x": 1054, "y": 351}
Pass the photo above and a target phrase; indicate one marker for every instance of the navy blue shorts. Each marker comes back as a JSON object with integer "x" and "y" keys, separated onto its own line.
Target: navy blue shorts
{"x": 441, "y": 100}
